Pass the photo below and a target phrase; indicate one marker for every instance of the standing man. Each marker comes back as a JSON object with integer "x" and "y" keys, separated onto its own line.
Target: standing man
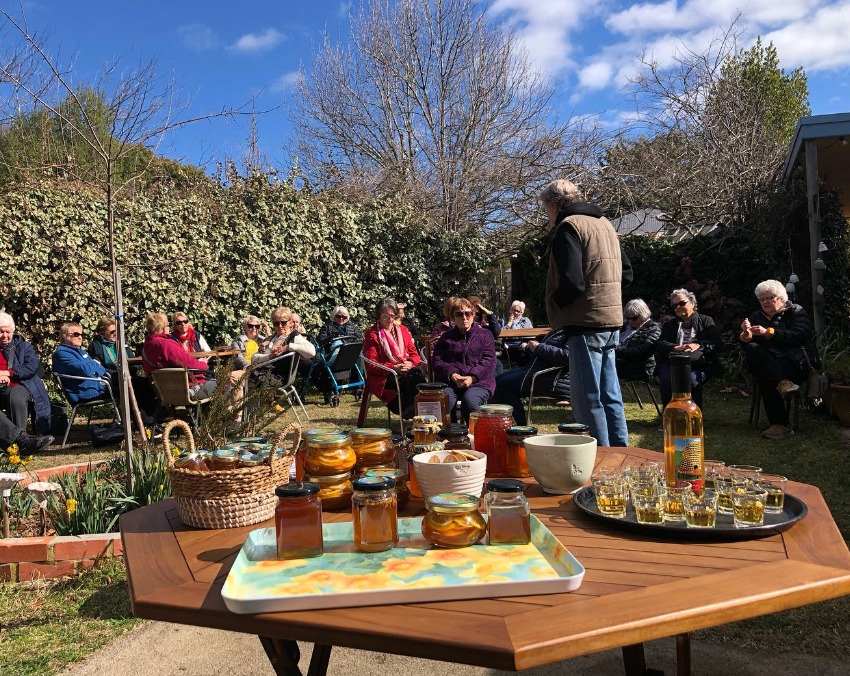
{"x": 587, "y": 268}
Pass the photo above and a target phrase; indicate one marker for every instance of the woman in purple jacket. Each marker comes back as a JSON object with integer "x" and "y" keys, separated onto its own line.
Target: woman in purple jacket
{"x": 465, "y": 359}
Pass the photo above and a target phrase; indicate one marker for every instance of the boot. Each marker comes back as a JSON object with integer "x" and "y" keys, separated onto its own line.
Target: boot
{"x": 28, "y": 444}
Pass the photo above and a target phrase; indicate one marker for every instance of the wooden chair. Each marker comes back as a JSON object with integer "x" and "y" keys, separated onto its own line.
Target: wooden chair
{"x": 633, "y": 386}
{"x": 106, "y": 398}
{"x": 288, "y": 372}
{"x": 792, "y": 401}
{"x": 367, "y": 395}
{"x": 172, "y": 389}
{"x": 556, "y": 370}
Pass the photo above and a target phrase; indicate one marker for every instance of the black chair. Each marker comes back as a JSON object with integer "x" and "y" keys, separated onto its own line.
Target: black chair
{"x": 105, "y": 398}
{"x": 633, "y": 386}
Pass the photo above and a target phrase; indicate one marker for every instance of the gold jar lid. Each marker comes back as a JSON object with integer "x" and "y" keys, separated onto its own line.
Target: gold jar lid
{"x": 328, "y": 440}
{"x": 329, "y": 479}
{"x": 370, "y": 433}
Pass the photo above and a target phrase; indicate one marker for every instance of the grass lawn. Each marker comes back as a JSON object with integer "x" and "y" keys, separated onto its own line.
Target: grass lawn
{"x": 46, "y": 628}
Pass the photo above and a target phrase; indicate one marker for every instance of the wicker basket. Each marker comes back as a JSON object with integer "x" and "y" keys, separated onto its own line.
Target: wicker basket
{"x": 233, "y": 497}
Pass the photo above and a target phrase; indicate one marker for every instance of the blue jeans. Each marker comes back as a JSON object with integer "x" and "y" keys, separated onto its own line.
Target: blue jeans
{"x": 595, "y": 389}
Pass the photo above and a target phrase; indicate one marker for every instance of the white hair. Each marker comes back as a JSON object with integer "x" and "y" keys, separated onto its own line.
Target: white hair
{"x": 6, "y": 320}
{"x": 340, "y": 309}
{"x": 518, "y": 304}
{"x": 773, "y": 286}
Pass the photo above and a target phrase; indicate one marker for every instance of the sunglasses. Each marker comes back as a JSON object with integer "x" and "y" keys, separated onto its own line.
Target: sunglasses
{"x": 252, "y": 326}
{"x": 181, "y": 321}
{"x": 281, "y": 323}
{"x": 681, "y": 303}
{"x": 631, "y": 319}
{"x": 341, "y": 317}
{"x": 76, "y": 334}
{"x": 462, "y": 313}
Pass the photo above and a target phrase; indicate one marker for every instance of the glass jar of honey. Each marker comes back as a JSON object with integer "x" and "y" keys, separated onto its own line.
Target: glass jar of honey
{"x": 491, "y": 437}
{"x": 193, "y": 461}
{"x": 335, "y": 491}
{"x": 574, "y": 428}
{"x": 307, "y": 435}
{"x": 329, "y": 454}
{"x": 508, "y": 513}
{"x": 425, "y": 428}
{"x": 374, "y": 507}
{"x": 517, "y": 464}
{"x": 298, "y": 521}
{"x": 401, "y": 489}
{"x": 224, "y": 459}
{"x": 455, "y": 437}
{"x": 372, "y": 446}
{"x": 453, "y": 520}
{"x": 431, "y": 399}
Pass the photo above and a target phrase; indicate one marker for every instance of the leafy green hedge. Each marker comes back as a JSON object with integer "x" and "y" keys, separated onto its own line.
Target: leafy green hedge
{"x": 220, "y": 253}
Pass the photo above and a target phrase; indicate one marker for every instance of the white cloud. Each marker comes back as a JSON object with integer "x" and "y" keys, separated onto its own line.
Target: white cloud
{"x": 286, "y": 82}
{"x": 258, "y": 42}
{"x": 818, "y": 42}
{"x": 198, "y": 37}
{"x": 596, "y": 75}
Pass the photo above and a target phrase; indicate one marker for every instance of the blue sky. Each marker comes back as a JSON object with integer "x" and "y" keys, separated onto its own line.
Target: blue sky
{"x": 224, "y": 53}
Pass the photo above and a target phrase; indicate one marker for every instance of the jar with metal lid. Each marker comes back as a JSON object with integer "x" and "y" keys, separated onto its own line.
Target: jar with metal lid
{"x": 517, "y": 464}
{"x": 416, "y": 449}
{"x": 329, "y": 454}
{"x": 224, "y": 458}
{"x": 401, "y": 489}
{"x": 359, "y": 472}
{"x": 491, "y": 437}
{"x": 298, "y": 521}
{"x": 508, "y": 513}
{"x": 431, "y": 399}
{"x": 193, "y": 461}
{"x": 453, "y": 520}
{"x": 574, "y": 428}
{"x": 425, "y": 428}
{"x": 335, "y": 491}
{"x": 306, "y": 435}
{"x": 372, "y": 446}
{"x": 374, "y": 507}
{"x": 455, "y": 437}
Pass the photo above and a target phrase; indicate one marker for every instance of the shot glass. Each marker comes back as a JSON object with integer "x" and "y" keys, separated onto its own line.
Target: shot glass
{"x": 674, "y": 508}
{"x": 700, "y": 508}
{"x": 726, "y": 485}
{"x": 610, "y": 495}
{"x": 748, "y": 507}
{"x": 775, "y": 486}
{"x": 649, "y": 504}
{"x": 748, "y": 472}
{"x": 641, "y": 485}
{"x": 713, "y": 468}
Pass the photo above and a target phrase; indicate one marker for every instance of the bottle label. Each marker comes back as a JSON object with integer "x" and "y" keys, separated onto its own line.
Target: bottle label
{"x": 430, "y": 408}
{"x": 689, "y": 459}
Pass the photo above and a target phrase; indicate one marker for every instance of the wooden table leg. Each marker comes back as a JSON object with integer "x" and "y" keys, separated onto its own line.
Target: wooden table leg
{"x": 683, "y": 655}
{"x": 634, "y": 661}
{"x": 284, "y": 656}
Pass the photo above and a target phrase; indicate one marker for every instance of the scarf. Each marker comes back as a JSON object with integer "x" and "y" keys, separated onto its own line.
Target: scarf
{"x": 109, "y": 356}
{"x": 392, "y": 343}
{"x": 187, "y": 342}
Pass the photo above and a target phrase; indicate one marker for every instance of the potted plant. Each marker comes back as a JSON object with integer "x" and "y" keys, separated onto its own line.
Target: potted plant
{"x": 837, "y": 370}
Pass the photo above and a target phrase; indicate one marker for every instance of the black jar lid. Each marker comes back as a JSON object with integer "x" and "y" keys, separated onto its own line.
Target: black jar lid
{"x": 373, "y": 483}
{"x": 573, "y": 428}
{"x": 522, "y": 431}
{"x": 296, "y": 489}
{"x": 453, "y": 430}
{"x": 427, "y": 387}
{"x": 505, "y": 486}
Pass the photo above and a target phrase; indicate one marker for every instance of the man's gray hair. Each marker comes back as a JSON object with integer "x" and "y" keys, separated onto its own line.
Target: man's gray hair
{"x": 6, "y": 320}
{"x": 561, "y": 193}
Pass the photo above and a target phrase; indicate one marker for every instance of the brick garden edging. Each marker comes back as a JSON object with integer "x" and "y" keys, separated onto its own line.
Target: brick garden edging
{"x": 23, "y": 559}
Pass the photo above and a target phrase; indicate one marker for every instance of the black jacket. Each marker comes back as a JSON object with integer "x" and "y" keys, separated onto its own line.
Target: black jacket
{"x": 636, "y": 357}
{"x": 707, "y": 335}
{"x": 792, "y": 334}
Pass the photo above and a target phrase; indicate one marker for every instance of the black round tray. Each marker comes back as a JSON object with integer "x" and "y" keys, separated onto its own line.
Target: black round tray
{"x": 794, "y": 510}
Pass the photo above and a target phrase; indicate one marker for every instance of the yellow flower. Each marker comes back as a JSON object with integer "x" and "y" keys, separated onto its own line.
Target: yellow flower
{"x": 14, "y": 459}
{"x": 148, "y": 433}
{"x": 71, "y": 505}
{"x": 161, "y": 486}
{"x": 176, "y": 451}
{"x": 13, "y": 449}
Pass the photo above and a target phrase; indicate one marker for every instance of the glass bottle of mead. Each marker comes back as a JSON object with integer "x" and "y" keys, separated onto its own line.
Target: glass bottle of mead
{"x": 684, "y": 452}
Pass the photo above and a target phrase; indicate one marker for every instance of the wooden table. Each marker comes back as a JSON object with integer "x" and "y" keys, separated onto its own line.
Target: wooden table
{"x": 536, "y": 332}
{"x": 636, "y": 589}
{"x": 203, "y": 354}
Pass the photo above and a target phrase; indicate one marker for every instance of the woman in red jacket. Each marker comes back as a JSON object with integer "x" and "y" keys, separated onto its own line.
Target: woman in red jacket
{"x": 391, "y": 345}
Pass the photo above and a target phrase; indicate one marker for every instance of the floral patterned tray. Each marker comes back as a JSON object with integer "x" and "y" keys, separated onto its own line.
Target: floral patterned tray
{"x": 413, "y": 572}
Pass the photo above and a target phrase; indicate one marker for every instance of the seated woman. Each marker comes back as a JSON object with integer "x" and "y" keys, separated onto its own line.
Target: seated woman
{"x": 408, "y": 323}
{"x": 390, "y": 345}
{"x": 516, "y": 320}
{"x": 465, "y": 358}
{"x": 332, "y": 334}
{"x": 775, "y": 341}
{"x": 446, "y": 323}
{"x": 69, "y": 359}
{"x": 513, "y": 385}
{"x": 636, "y": 352}
{"x": 490, "y": 321}
{"x": 691, "y": 333}
{"x": 161, "y": 351}
{"x": 20, "y": 383}
{"x": 184, "y": 333}
{"x": 283, "y": 340}
{"x": 249, "y": 342}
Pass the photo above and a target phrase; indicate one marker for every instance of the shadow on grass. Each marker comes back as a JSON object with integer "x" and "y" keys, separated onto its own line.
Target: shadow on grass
{"x": 108, "y": 602}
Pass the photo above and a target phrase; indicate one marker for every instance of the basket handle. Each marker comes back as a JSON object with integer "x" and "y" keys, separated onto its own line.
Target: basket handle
{"x": 292, "y": 432}
{"x": 166, "y": 441}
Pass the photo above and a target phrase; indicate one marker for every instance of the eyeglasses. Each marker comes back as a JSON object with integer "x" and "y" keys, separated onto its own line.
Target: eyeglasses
{"x": 181, "y": 321}
{"x": 252, "y": 326}
{"x": 341, "y": 317}
{"x": 387, "y": 315}
{"x": 464, "y": 313}
{"x": 76, "y": 334}
{"x": 110, "y": 333}
{"x": 767, "y": 299}
{"x": 281, "y": 323}
{"x": 631, "y": 319}
{"x": 681, "y": 303}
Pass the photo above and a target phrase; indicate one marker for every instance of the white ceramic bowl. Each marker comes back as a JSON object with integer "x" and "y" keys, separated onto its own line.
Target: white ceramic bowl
{"x": 561, "y": 463}
{"x": 450, "y": 477}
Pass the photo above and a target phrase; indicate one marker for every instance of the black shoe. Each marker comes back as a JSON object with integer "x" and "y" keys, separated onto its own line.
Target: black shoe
{"x": 28, "y": 443}
{"x": 328, "y": 396}
{"x": 156, "y": 432}
{"x": 358, "y": 393}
